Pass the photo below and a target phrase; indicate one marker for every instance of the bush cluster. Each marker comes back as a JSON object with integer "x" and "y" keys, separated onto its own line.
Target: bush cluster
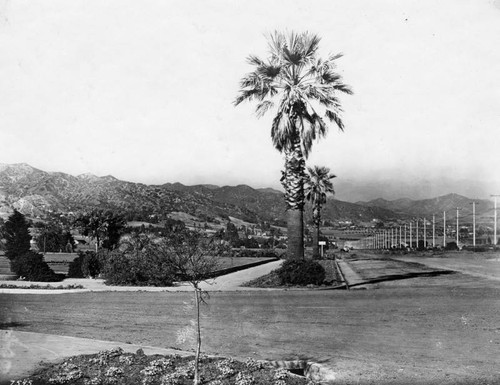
{"x": 301, "y": 272}
{"x": 87, "y": 264}
{"x": 245, "y": 253}
{"x": 132, "y": 269}
{"x": 32, "y": 267}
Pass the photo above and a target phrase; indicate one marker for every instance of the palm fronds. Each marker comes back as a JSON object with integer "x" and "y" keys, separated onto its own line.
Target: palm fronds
{"x": 291, "y": 79}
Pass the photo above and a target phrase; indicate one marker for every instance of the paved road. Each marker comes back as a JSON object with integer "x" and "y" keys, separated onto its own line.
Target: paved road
{"x": 476, "y": 264}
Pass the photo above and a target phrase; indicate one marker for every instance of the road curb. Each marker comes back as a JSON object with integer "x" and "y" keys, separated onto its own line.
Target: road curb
{"x": 313, "y": 371}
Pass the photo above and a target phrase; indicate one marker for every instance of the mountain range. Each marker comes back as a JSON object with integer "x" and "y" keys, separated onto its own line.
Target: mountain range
{"x": 35, "y": 193}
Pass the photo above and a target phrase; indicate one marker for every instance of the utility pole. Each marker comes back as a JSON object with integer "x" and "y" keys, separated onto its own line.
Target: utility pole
{"x": 400, "y": 237}
{"x": 473, "y": 224}
{"x": 458, "y": 209}
{"x": 425, "y": 235}
{"x": 495, "y": 226}
{"x": 405, "y": 234}
{"x": 416, "y": 230}
{"x": 433, "y": 231}
{"x": 444, "y": 228}
{"x": 411, "y": 244}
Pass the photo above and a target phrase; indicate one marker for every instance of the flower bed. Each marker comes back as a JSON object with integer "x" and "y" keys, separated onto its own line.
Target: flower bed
{"x": 117, "y": 367}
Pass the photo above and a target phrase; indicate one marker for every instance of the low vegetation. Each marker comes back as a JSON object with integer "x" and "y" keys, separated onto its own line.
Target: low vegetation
{"x": 324, "y": 275}
{"x": 117, "y": 367}
{"x": 86, "y": 265}
{"x": 41, "y": 287}
{"x": 301, "y": 272}
{"x": 31, "y": 267}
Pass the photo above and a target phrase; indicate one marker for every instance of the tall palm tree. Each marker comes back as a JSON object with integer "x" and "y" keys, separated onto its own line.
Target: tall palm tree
{"x": 303, "y": 88}
{"x": 318, "y": 185}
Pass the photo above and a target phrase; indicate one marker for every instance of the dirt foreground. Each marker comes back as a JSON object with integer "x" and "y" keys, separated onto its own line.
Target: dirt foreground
{"x": 442, "y": 329}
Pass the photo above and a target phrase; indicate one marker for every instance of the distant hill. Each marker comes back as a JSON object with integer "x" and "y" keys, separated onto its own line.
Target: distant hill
{"x": 415, "y": 188}
{"x": 435, "y": 206}
{"x": 36, "y": 192}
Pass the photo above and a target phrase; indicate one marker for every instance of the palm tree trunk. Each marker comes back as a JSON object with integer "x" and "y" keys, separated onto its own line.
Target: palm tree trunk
{"x": 295, "y": 229}
{"x": 315, "y": 241}
{"x": 293, "y": 182}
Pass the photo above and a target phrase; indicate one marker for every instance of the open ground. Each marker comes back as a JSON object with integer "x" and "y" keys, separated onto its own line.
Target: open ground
{"x": 430, "y": 329}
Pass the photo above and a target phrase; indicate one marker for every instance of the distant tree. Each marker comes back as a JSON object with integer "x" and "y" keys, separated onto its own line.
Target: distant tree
{"x": 2, "y": 233}
{"x": 53, "y": 238}
{"x": 318, "y": 186}
{"x": 32, "y": 267}
{"x": 231, "y": 235}
{"x": 104, "y": 226}
{"x": 195, "y": 258}
{"x": 250, "y": 243}
{"x": 17, "y": 236}
{"x": 173, "y": 225}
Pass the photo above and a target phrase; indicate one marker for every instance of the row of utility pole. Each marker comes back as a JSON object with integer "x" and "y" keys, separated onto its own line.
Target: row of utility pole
{"x": 389, "y": 238}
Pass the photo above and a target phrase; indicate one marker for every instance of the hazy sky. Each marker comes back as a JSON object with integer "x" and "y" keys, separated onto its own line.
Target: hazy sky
{"x": 144, "y": 90}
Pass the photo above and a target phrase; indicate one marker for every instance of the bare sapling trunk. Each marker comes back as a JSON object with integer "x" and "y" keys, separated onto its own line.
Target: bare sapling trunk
{"x": 197, "y": 300}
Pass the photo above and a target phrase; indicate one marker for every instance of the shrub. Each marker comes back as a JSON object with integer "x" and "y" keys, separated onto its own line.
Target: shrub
{"x": 301, "y": 272}
{"x": 32, "y": 267}
{"x": 478, "y": 249}
{"x": 451, "y": 246}
{"x": 75, "y": 268}
{"x": 17, "y": 236}
{"x": 245, "y": 253}
{"x": 87, "y": 264}
{"x": 122, "y": 268}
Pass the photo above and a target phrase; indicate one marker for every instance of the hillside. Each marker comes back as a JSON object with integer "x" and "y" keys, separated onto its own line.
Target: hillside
{"x": 35, "y": 193}
{"x": 435, "y": 206}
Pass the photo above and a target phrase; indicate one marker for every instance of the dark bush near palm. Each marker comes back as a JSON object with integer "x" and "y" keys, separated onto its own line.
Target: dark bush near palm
{"x": 87, "y": 264}
{"x": 75, "y": 268}
{"x": 301, "y": 272}
{"x": 32, "y": 267}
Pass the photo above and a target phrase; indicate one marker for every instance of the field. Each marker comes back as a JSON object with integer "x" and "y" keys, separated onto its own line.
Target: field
{"x": 426, "y": 330}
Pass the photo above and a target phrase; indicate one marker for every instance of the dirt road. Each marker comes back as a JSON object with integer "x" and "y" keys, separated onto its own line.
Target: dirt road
{"x": 425, "y": 330}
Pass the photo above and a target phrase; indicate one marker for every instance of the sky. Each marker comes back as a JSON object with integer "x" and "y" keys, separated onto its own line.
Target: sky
{"x": 144, "y": 91}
